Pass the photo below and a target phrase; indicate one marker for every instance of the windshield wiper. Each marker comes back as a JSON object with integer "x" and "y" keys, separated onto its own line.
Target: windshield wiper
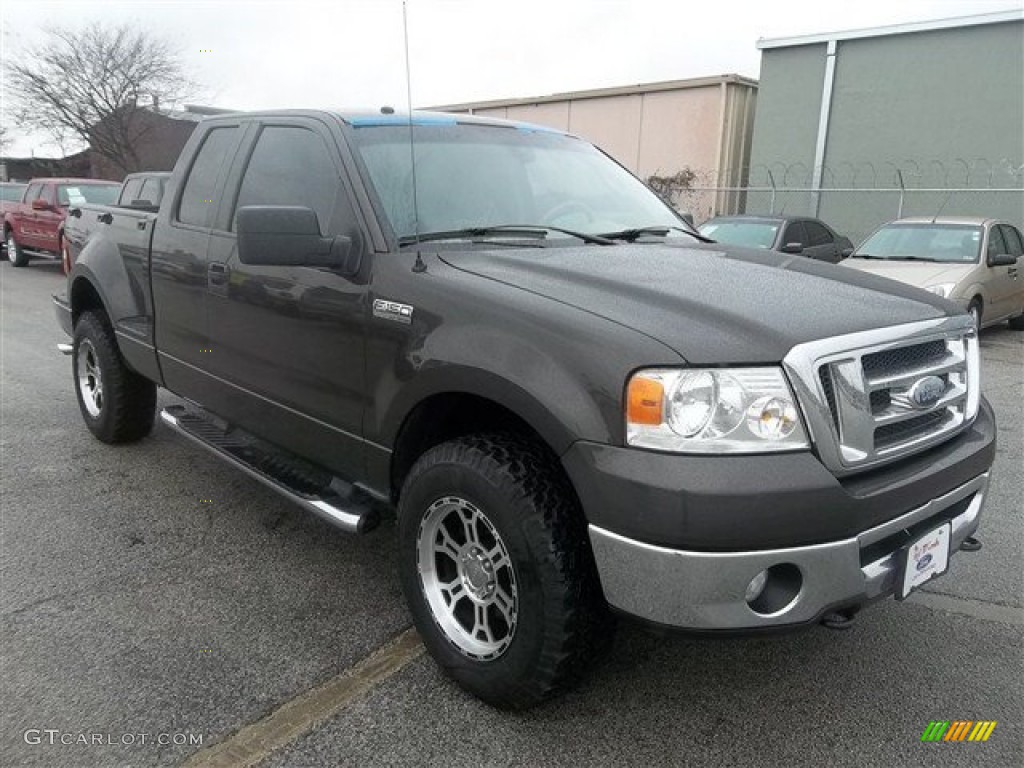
{"x": 631, "y": 235}
{"x": 914, "y": 258}
{"x": 535, "y": 231}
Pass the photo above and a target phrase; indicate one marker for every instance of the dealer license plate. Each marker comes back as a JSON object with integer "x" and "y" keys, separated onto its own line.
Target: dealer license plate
{"x": 926, "y": 558}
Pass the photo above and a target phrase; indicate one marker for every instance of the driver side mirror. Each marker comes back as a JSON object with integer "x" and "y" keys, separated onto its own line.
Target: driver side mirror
{"x": 792, "y": 248}
{"x": 289, "y": 236}
{"x": 1002, "y": 260}
{"x": 846, "y": 253}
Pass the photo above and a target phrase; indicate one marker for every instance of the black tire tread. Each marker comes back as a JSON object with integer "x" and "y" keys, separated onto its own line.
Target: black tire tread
{"x": 130, "y": 399}
{"x": 579, "y": 623}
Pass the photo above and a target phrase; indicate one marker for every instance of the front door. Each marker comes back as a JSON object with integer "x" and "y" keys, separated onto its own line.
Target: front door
{"x": 288, "y": 341}
{"x": 1005, "y": 285}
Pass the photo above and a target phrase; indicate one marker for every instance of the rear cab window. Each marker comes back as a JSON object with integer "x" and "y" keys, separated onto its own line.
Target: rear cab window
{"x": 197, "y": 205}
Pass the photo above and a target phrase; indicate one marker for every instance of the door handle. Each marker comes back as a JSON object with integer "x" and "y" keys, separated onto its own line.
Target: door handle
{"x": 104, "y": 218}
{"x": 217, "y": 274}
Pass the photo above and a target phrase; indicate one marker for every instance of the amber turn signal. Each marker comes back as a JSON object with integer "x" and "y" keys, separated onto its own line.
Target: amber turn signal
{"x": 646, "y": 401}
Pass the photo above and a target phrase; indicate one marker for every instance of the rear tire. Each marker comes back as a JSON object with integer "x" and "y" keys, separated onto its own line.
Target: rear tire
{"x": 497, "y": 569}
{"x": 16, "y": 255}
{"x": 117, "y": 404}
{"x": 1017, "y": 323}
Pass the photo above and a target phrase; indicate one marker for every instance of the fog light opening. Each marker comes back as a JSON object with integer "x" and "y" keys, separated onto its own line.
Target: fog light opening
{"x": 774, "y": 589}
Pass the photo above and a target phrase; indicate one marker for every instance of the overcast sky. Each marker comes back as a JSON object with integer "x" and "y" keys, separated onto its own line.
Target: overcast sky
{"x": 298, "y": 53}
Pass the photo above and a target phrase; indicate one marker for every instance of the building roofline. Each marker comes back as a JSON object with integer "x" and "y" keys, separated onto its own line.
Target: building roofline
{"x": 999, "y": 17}
{"x": 597, "y": 93}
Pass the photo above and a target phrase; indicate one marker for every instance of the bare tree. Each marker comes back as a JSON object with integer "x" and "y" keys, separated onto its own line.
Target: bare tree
{"x": 92, "y": 85}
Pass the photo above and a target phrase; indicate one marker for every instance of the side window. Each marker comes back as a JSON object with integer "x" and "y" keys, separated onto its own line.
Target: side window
{"x": 130, "y": 191}
{"x": 47, "y": 194}
{"x": 795, "y": 233}
{"x": 996, "y": 245}
{"x": 197, "y": 205}
{"x": 32, "y": 192}
{"x": 152, "y": 190}
{"x": 290, "y": 166}
{"x": 1011, "y": 236}
{"x": 817, "y": 234}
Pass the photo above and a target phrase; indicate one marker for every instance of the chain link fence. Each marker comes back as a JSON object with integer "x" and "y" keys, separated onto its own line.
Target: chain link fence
{"x": 855, "y": 199}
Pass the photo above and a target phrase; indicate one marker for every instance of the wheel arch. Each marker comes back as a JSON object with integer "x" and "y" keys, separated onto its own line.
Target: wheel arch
{"x": 446, "y": 415}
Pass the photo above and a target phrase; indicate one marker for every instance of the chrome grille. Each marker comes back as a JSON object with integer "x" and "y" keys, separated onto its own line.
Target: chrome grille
{"x": 877, "y": 396}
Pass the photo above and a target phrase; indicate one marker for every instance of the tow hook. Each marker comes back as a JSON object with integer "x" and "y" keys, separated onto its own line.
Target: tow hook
{"x": 970, "y": 544}
{"x": 838, "y": 619}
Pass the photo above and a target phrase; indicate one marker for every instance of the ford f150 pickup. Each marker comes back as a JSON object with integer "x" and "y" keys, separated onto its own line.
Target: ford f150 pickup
{"x": 33, "y": 226}
{"x": 570, "y": 400}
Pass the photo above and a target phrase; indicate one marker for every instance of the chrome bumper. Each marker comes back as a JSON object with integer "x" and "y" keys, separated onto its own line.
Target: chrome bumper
{"x": 707, "y": 590}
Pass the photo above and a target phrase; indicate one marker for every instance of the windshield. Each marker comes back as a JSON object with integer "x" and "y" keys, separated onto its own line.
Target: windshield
{"x": 11, "y": 192}
{"x": 480, "y": 176}
{"x": 752, "y": 234}
{"x": 98, "y": 194}
{"x": 953, "y": 243}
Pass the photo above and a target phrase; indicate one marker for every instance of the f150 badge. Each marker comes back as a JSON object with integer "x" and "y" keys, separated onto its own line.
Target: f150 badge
{"x": 392, "y": 310}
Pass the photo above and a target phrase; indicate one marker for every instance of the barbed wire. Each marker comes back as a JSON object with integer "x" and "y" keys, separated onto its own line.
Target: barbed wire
{"x": 958, "y": 172}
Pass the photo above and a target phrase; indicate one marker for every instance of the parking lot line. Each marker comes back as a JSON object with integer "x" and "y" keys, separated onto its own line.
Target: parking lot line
{"x": 254, "y": 743}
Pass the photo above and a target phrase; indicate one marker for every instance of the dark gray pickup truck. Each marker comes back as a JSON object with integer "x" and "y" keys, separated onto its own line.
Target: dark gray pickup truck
{"x": 571, "y": 400}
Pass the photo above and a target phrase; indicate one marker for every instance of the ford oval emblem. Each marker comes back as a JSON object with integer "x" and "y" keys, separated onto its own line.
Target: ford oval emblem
{"x": 925, "y": 393}
{"x": 924, "y": 562}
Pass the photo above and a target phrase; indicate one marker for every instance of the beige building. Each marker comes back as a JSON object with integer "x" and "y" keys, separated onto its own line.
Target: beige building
{"x": 703, "y": 125}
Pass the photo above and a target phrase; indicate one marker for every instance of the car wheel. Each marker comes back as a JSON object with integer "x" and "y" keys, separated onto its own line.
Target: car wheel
{"x": 14, "y": 251}
{"x": 975, "y": 310}
{"x": 497, "y": 569}
{"x": 65, "y": 257}
{"x": 117, "y": 404}
{"x": 1017, "y": 323}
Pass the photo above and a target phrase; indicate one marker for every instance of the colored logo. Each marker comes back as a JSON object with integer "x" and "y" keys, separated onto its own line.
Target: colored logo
{"x": 926, "y": 392}
{"x": 924, "y": 562}
{"x": 958, "y": 730}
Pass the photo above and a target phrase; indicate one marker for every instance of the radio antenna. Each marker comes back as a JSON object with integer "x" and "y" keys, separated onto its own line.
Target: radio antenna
{"x": 412, "y": 144}
{"x": 943, "y": 206}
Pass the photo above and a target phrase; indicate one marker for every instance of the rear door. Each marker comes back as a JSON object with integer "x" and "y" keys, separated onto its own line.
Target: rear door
{"x": 179, "y": 261}
{"x": 23, "y": 217}
{"x": 288, "y": 341}
{"x": 49, "y": 218}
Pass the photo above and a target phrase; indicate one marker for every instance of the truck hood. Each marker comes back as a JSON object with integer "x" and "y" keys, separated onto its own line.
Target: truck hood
{"x": 919, "y": 273}
{"x": 709, "y": 303}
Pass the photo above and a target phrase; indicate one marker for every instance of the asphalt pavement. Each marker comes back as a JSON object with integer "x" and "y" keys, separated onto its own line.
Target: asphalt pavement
{"x": 160, "y": 606}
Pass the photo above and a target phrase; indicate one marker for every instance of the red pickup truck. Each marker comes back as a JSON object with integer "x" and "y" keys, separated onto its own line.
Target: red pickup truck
{"x": 31, "y": 227}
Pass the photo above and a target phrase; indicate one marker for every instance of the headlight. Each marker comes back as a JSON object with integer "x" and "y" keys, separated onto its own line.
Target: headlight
{"x": 712, "y": 410}
{"x": 945, "y": 290}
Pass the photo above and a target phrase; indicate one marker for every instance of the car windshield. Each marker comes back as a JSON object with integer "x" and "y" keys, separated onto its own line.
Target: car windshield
{"x": 97, "y": 194}
{"x": 954, "y": 243}
{"x": 481, "y": 176}
{"x": 751, "y": 234}
{"x": 11, "y": 192}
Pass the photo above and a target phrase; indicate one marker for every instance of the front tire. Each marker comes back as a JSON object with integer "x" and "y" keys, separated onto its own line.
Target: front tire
{"x": 117, "y": 404}
{"x": 17, "y": 256}
{"x": 975, "y": 311}
{"x": 1017, "y": 323}
{"x": 497, "y": 569}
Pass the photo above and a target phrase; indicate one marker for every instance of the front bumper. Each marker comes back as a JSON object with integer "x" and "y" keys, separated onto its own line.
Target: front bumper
{"x": 707, "y": 590}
